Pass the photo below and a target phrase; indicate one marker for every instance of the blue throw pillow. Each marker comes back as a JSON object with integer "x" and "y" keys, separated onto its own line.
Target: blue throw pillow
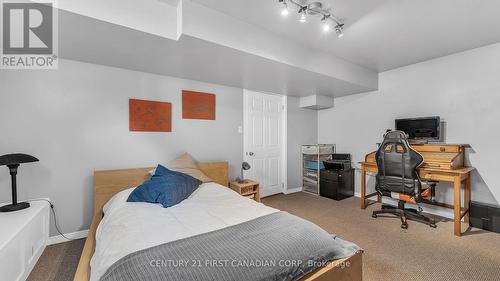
{"x": 165, "y": 187}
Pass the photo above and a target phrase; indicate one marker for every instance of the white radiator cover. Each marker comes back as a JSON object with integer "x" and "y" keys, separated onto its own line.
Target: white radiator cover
{"x": 23, "y": 238}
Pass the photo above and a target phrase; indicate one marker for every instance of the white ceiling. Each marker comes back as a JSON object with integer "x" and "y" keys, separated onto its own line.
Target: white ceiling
{"x": 94, "y": 41}
{"x": 381, "y": 34}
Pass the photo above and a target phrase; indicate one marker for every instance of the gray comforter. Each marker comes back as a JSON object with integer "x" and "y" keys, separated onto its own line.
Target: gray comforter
{"x": 278, "y": 246}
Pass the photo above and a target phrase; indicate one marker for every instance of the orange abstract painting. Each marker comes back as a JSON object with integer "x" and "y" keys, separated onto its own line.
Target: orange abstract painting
{"x": 196, "y": 105}
{"x": 150, "y": 116}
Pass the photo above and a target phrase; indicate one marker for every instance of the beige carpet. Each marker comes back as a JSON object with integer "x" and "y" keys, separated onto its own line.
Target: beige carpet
{"x": 391, "y": 253}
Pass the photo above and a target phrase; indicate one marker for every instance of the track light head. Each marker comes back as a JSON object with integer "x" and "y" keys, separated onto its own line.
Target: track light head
{"x": 326, "y": 25}
{"x": 339, "y": 29}
{"x": 303, "y": 14}
{"x": 284, "y": 9}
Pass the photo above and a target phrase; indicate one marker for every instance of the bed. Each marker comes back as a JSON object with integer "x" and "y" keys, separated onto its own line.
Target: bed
{"x": 107, "y": 184}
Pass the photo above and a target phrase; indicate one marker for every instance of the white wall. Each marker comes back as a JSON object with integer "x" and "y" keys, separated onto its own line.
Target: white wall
{"x": 464, "y": 89}
{"x": 75, "y": 120}
{"x": 302, "y": 128}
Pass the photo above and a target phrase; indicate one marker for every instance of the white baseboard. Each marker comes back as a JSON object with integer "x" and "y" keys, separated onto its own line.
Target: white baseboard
{"x": 293, "y": 190}
{"x": 73, "y": 235}
{"x": 433, "y": 210}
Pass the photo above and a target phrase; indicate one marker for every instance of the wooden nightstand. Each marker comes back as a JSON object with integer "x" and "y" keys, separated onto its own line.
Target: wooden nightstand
{"x": 249, "y": 189}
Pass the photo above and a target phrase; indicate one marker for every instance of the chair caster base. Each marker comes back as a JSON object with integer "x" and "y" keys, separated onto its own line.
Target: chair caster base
{"x": 405, "y": 214}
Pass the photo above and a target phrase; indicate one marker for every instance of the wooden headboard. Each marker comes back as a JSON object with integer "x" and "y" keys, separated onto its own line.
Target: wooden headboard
{"x": 108, "y": 183}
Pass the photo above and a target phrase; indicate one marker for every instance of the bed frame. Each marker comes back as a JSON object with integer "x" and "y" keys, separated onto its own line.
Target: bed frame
{"x": 108, "y": 183}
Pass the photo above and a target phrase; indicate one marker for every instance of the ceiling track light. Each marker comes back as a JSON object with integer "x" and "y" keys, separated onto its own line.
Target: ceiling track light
{"x": 314, "y": 8}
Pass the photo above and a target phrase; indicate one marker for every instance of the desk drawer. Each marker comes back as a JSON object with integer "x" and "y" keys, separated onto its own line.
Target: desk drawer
{"x": 434, "y": 165}
{"x": 435, "y": 176}
{"x": 436, "y": 148}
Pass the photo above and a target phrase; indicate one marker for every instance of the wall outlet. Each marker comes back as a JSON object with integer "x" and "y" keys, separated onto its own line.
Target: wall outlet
{"x": 240, "y": 129}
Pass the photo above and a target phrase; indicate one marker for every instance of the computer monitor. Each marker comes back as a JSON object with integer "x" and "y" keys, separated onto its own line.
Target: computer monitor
{"x": 421, "y": 129}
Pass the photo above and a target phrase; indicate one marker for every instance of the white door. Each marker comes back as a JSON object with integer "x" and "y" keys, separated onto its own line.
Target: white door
{"x": 264, "y": 143}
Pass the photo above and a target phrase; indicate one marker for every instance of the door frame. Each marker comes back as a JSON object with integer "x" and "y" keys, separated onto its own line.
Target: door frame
{"x": 284, "y": 168}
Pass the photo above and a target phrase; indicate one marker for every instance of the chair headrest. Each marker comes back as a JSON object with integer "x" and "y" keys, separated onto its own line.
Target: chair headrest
{"x": 396, "y": 135}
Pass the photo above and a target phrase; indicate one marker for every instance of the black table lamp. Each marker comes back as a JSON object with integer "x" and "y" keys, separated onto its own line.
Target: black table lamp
{"x": 12, "y": 161}
{"x": 244, "y": 167}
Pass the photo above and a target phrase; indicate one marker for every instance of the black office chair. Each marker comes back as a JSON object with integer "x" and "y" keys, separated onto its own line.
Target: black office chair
{"x": 397, "y": 178}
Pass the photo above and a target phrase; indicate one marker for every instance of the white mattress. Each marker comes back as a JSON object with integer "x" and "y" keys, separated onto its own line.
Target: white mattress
{"x": 130, "y": 227}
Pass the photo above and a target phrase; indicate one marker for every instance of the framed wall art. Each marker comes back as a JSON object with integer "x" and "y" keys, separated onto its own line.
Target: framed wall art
{"x": 150, "y": 116}
{"x": 197, "y": 105}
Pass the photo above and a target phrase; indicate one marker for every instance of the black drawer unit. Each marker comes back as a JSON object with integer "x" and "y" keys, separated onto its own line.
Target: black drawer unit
{"x": 485, "y": 216}
{"x": 336, "y": 184}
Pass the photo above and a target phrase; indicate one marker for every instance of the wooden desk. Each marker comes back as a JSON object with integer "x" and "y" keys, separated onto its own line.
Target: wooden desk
{"x": 457, "y": 176}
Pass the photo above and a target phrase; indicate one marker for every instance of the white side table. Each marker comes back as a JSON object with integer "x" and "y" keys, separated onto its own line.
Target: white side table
{"x": 23, "y": 237}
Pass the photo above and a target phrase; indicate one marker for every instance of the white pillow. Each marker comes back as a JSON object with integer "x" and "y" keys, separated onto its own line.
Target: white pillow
{"x": 185, "y": 164}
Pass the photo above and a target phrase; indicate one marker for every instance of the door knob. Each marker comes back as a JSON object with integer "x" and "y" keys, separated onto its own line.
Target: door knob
{"x": 250, "y": 153}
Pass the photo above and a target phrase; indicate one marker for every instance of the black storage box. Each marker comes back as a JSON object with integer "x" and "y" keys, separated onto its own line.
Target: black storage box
{"x": 336, "y": 184}
{"x": 484, "y": 216}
